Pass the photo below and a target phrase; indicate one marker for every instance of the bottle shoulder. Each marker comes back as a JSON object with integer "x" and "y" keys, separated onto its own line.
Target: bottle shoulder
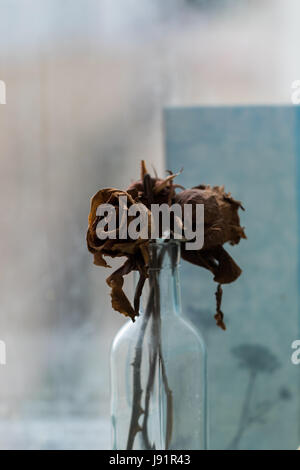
{"x": 184, "y": 332}
{"x": 178, "y": 330}
{"x": 123, "y": 335}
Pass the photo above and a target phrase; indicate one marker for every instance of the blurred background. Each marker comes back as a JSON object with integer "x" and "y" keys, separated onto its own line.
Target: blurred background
{"x": 87, "y": 81}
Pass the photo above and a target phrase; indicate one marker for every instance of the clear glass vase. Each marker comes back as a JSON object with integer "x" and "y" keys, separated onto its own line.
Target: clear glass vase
{"x": 158, "y": 367}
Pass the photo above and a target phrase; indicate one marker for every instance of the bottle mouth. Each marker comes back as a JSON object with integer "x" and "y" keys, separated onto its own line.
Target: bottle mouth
{"x": 163, "y": 254}
{"x": 164, "y": 241}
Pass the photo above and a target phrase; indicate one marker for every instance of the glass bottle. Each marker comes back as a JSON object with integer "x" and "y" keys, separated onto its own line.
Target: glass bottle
{"x": 158, "y": 367}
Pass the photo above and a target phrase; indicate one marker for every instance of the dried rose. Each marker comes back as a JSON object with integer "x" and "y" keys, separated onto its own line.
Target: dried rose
{"x": 154, "y": 190}
{"x": 221, "y": 225}
{"x": 221, "y": 219}
{"x": 112, "y": 247}
{"x": 136, "y": 251}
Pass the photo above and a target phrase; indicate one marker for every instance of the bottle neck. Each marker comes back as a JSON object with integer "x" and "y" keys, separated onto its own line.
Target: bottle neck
{"x": 163, "y": 283}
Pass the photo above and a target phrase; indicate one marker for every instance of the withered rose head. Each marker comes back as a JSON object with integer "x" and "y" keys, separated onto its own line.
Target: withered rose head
{"x": 153, "y": 190}
{"x": 112, "y": 246}
{"x": 136, "y": 251}
{"x": 221, "y": 218}
{"x": 221, "y": 225}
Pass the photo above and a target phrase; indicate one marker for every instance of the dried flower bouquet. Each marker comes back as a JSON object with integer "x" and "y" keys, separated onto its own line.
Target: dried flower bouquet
{"x": 221, "y": 225}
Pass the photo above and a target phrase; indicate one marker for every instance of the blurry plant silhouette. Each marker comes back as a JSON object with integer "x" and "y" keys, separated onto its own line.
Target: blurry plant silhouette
{"x": 256, "y": 359}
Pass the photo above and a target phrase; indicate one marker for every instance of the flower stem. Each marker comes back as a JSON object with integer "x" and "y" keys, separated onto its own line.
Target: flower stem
{"x": 153, "y": 311}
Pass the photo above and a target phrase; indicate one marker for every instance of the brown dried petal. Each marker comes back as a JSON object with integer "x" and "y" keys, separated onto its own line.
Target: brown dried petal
{"x": 219, "y": 316}
{"x": 119, "y": 301}
{"x": 216, "y": 260}
{"x": 111, "y": 247}
{"x": 227, "y": 270}
{"x": 221, "y": 219}
{"x": 200, "y": 258}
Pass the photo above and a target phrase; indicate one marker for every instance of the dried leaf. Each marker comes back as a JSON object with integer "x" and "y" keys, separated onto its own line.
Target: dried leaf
{"x": 227, "y": 271}
{"x": 219, "y": 316}
{"x": 119, "y": 301}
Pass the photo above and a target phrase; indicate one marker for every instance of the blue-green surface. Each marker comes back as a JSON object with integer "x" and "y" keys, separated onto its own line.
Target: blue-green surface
{"x": 253, "y": 386}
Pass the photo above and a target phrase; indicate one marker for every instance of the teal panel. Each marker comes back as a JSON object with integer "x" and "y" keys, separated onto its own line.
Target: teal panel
{"x": 253, "y": 386}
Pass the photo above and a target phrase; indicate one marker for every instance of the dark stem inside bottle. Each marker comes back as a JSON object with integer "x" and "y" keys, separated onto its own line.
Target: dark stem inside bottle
{"x": 164, "y": 257}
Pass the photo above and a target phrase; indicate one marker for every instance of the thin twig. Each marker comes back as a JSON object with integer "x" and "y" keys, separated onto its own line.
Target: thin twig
{"x": 153, "y": 360}
{"x": 137, "y": 410}
{"x": 157, "y": 348}
{"x": 138, "y": 292}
